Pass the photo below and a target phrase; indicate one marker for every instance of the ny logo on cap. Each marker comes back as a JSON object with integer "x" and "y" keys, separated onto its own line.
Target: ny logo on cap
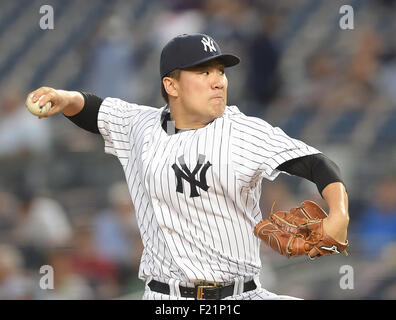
{"x": 208, "y": 43}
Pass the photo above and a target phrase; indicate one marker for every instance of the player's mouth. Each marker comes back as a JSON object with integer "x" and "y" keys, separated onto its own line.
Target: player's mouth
{"x": 217, "y": 98}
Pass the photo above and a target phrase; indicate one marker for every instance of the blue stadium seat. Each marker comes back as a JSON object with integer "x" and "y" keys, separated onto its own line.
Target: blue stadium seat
{"x": 297, "y": 121}
{"x": 13, "y": 15}
{"x": 386, "y": 134}
{"x": 31, "y": 36}
{"x": 98, "y": 10}
{"x": 344, "y": 126}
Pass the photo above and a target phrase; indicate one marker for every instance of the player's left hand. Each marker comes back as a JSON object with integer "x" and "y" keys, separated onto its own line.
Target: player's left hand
{"x": 306, "y": 230}
{"x": 334, "y": 228}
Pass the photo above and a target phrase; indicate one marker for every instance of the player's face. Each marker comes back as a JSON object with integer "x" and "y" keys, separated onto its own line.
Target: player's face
{"x": 202, "y": 91}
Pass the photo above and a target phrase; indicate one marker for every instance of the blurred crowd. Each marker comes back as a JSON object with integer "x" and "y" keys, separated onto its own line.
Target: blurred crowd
{"x": 93, "y": 256}
{"x": 59, "y": 209}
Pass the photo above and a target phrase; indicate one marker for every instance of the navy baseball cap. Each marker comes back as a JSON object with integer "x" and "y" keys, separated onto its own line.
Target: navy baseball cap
{"x": 188, "y": 50}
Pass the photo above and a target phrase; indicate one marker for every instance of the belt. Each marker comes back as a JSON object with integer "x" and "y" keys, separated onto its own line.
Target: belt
{"x": 202, "y": 291}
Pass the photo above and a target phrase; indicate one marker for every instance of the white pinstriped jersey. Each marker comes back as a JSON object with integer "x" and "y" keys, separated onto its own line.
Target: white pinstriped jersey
{"x": 196, "y": 193}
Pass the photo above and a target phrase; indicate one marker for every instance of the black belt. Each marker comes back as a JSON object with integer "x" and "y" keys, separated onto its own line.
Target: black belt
{"x": 202, "y": 291}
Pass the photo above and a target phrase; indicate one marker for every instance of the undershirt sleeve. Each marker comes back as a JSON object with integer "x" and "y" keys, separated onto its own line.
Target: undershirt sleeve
{"x": 87, "y": 118}
{"x": 316, "y": 168}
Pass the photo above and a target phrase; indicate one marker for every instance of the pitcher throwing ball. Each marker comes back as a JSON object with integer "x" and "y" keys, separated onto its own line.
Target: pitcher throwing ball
{"x": 194, "y": 169}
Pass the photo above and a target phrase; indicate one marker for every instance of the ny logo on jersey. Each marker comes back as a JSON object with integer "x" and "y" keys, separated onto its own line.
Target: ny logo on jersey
{"x": 186, "y": 174}
{"x": 208, "y": 43}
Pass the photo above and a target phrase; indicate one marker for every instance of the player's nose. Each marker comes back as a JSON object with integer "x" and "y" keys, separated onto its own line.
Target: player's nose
{"x": 218, "y": 81}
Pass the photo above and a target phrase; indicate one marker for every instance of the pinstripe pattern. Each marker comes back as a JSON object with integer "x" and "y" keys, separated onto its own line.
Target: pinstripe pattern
{"x": 194, "y": 233}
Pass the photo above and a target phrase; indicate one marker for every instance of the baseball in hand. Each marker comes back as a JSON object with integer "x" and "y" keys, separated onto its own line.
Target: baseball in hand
{"x": 34, "y": 107}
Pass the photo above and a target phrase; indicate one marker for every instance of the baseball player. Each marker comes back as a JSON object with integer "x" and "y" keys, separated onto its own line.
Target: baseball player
{"x": 194, "y": 169}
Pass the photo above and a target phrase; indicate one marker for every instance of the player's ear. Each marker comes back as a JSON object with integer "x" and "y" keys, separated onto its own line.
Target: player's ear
{"x": 170, "y": 86}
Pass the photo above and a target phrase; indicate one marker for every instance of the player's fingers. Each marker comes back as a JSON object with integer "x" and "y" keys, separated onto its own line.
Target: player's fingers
{"x": 53, "y": 110}
{"x": 36, "y": 94}
{"x": 49, "y": 96}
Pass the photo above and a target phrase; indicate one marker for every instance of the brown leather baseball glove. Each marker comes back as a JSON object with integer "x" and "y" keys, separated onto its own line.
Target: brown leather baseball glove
{"x": 299, "y": 232}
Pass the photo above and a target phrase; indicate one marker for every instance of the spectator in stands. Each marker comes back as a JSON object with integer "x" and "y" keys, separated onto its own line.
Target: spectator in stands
{"x": 263, "y": 78}
{"x": 112, "y": 63}
{"x": 14, "y": 284}
{"x": 67, "y": 284}
{"x": 17, "y": 139}
{"x": 170, "y": 22}
{"x": 8, "y": 207}
{"x": 87, "y": 262}
{"x": 355, "y": 87}
{"x": 377, "y": 225}
{"x": 41, "y": 224}
{"x": 116, "y": 233}
{"x": 386, "y": 76}
{"x": 322, "y": 77}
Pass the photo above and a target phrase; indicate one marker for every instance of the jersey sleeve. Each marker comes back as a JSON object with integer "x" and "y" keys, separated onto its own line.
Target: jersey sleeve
{"x": 260, "y": 148}
{"x": 115, "y": 120}
{"x": 287, "y": 148}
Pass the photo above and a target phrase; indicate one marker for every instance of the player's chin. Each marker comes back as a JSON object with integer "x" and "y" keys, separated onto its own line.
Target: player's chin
{"x": 217, "y": 107}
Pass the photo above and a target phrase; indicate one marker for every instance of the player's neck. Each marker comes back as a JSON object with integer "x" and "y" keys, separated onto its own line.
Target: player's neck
{"x": 184, "y": 120}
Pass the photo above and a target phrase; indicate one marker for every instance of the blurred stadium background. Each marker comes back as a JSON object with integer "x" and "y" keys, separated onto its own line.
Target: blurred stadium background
{"x": 64, "y": 203}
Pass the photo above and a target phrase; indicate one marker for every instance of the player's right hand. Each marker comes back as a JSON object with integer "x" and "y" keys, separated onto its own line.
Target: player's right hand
{"x": 67, "y": 102}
